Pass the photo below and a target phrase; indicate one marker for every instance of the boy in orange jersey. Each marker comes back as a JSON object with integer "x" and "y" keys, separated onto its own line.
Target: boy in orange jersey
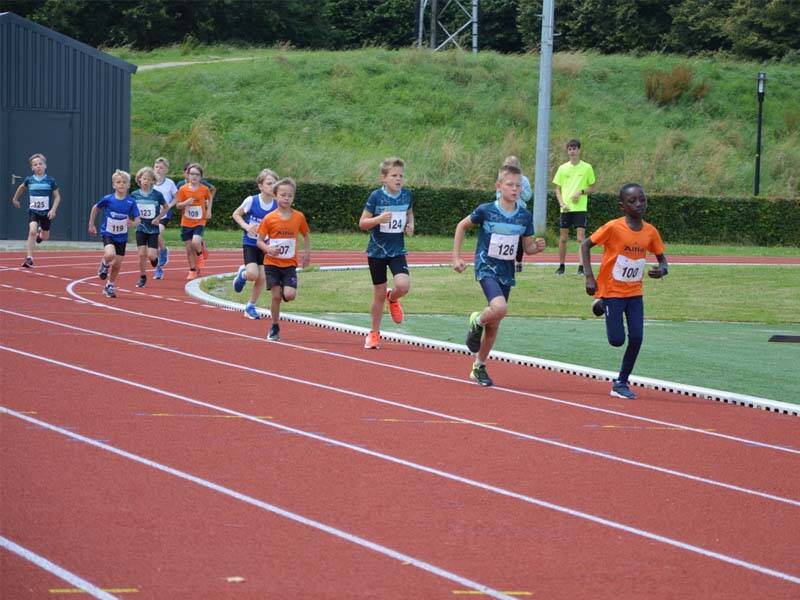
{"x": 277, "y": 238}
{"x": 618, "y": 287}
{"x": 194, "y": 199}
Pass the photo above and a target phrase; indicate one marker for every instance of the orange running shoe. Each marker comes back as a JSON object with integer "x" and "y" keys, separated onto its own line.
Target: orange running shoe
{"x": 394, "y": 308}
{"x": 192, "y": 275}
{"x": 373, "y": 340}
{"x": 205, "y": 250}
{"x": 200, "y": 261}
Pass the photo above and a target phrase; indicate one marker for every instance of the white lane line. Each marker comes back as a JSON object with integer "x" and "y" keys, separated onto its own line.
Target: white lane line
{"x": 297, "y": 518}
{"x": 54, "y": 569}
{"x": 440, "y": 415}
{"x": 415, "y": 466}
{"x": 71, "y": 291}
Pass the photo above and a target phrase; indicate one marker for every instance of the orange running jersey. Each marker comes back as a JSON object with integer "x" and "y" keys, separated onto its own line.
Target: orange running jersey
{"x": 283, "y": 233}
{"x": 194, "y": 214}
{"x": 623, "y": 264}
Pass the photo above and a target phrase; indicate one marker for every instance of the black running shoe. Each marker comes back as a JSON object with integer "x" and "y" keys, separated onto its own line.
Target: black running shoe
{"x": 580, "y": 270}
{"x": 102, "y": 272}
{"x": 274, "y": 333}
{"x": 108, "y": 290}
{"x": 560, "y": 270}
{"x": 28, "y": 263}
{"x": 142, "y": 281}
{"x": 598, "y": 307}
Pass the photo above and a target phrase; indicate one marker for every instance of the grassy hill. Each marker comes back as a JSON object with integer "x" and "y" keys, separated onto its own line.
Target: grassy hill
{"x": 332, "y": 116}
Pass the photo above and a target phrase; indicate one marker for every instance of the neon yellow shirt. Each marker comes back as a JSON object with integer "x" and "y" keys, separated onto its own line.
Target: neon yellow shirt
{"x": 572, "y": 178}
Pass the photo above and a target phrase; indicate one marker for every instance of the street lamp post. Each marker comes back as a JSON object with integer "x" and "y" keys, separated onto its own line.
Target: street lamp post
{"x": 761, "y": 84}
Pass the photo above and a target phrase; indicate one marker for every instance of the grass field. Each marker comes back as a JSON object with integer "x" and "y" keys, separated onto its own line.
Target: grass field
{"x": 707, "y": 325}
{"x": 332, "y": 116}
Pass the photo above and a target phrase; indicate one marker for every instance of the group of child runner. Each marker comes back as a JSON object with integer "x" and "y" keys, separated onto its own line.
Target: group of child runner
{"x": 271, "y": 228}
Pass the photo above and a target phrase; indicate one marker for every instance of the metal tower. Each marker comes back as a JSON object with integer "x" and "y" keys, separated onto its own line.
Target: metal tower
{"x": 444, "y": 14}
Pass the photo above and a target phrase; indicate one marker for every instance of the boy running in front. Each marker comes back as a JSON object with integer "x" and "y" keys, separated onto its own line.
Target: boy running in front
{"x": 503, "y": 224}
{"x": 618, "y": 287}
{"x": 277, "y": 238}
{"x": 43, "y": 201}
{"x": 119, "y": 209}
{"x": 387, "y": 216}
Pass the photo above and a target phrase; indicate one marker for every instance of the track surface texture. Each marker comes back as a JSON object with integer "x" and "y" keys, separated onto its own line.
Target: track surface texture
{"x": 157, "y": 447}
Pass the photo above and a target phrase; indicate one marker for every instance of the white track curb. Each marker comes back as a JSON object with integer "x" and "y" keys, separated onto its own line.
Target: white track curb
{"x": 193, "y": 289}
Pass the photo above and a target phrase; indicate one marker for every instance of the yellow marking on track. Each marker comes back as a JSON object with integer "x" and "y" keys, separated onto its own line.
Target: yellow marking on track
{"x": 80, "y": 591}
{"x": 431, "y": 421}
{"x": 479, "y": 593}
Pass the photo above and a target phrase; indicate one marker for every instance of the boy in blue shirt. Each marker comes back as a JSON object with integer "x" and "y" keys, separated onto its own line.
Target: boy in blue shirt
{"x": 44, "y": 198}
{"x": 119, "y": 209}
{"x": 388, "y": 215}
{"x": 503, "y": 224}
{"x": 150, "y": 203}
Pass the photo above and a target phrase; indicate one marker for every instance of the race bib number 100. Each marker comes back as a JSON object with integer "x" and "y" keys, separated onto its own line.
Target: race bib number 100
{"x": 503, "y": 247}
{"x": 396, "y": 224}
{"x": 628, "y": 270}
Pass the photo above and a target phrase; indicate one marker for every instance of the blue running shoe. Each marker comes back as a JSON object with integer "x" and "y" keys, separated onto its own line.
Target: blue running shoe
{"x": 163, "y": 257}
{"x": 250, "y": 312}
{"x": 159, "y": 274}
{"x": 620, "y": 389}
{"x": 239, "y": 281}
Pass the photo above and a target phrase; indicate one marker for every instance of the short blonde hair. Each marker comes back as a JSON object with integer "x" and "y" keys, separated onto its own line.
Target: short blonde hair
{"x": 508, "y": 170}
{"x": 266, "y": 173}
{"x": 120, "y": 174}
{"x": 390, "y": 163}
{"x": 285, "y": 181}
{"x": 145, "y": 171}
{"x": 161, "y": 160}
{"x": 37, "y": 155}
{"x": 511, "y": 161}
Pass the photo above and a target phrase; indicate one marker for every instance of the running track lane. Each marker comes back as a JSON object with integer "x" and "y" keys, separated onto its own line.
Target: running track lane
{"x": 505, "y": 462}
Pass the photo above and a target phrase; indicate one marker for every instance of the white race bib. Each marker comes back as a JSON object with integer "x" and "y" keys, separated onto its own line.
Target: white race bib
{"x": 116, "y": 226}
{"x": 40, "y": 202}
{"x": 628, "y": 270}
{"x": 286, "y": 246}
{"x": 194, "y": 212}
{"x": 396, "y": 224}
{"x": 503, "y": 247}
{"x": 147, "y": 211}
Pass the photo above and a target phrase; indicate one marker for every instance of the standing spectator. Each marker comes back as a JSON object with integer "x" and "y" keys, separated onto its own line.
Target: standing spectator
{"x": 574, "y": 182}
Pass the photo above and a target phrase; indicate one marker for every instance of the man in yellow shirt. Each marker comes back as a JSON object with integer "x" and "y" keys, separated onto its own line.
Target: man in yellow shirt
{"x": 574, "y": 181}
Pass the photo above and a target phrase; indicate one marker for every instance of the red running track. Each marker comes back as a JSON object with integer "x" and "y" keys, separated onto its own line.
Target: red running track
{"x": 159, "y": 448}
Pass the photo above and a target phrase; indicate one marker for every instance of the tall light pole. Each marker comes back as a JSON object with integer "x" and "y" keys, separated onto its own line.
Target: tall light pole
{"x": 761, "y": 85}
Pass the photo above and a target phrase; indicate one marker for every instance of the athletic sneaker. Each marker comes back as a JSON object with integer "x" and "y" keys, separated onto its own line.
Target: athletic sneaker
{"x": 200, "y": 261}
{"x": 560, "y": 270}
{"x": 239, "y": 281}
{"x": 38, "y": 239}
{"x": 479, "y": 375}
{"x": 163, "y": 257}
{"x": 250, "y": 312}
{"x": 373, "y": 340}
{"x": 475, "y": 333}
{"x": 102, "y": 272}
{"x": 274, "y": 333}
{"x": 205, "y": 250}
{"x": 159, "y": 274}
{"x": 598, "y": 307}
{"x": 142, "y": 281}
{"x": 28, "y": 263}
{"x": 518, "y": 267}
{"x": 192, "y": 274}
{"x": 620, "y": 389}
{"x": 108, "y": 290}
{"x": 394, "y": 308}
{"x": 580, "y": 270}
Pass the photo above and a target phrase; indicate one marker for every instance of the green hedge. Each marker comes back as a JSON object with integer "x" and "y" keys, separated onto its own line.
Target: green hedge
{"x": 750, "y": 221}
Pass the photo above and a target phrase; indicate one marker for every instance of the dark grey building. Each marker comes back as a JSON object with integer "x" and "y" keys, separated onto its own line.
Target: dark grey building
{"x": 71, "y": 103}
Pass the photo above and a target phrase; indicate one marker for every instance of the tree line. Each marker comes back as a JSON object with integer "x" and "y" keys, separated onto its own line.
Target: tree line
{"x": 748, "y": 29}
